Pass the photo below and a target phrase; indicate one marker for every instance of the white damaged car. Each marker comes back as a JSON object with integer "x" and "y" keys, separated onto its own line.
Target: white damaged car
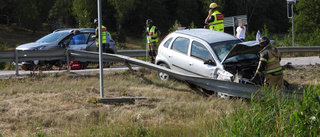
{"x": 208, "y": 53}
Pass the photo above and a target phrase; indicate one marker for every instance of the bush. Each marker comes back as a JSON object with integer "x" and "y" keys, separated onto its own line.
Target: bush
{"x": 3, "y": 48}
{"x": 276, "y": 115}
{"x": 174, "y": 27}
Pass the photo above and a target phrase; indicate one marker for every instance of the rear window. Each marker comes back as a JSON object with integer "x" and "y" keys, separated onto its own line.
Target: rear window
{"x": 53, "y": 37}
{"x": 181, "y": 45}
{"x": 166, "y": 44}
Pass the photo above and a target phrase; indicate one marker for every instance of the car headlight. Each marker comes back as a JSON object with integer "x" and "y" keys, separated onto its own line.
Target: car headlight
{"x": 40, "y": 48}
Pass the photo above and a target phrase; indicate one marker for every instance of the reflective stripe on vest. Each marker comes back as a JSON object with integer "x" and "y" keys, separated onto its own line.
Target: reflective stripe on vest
{"x": 104, "y": 35}
{"x": 152, "y": 35}
{"x": 217, "y": 24}
{"x": 273, "y": 63}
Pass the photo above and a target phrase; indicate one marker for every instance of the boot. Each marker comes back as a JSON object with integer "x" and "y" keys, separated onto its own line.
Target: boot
{"x": 152, "y": 60}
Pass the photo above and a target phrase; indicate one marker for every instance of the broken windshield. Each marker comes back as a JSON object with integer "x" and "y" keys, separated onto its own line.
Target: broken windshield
{"x": 222, "y": 49}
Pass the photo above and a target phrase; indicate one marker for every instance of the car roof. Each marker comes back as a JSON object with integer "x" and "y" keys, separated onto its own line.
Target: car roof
{"x": 72, "y": 29}
{"x": 208, "y": 35}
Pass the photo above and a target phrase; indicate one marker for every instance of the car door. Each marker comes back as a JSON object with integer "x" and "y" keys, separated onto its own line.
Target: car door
{"x": 81, "y": 43}
{"x": 199, "y": 53}
{"x": 178, "y": 55}
{"x": 91, "y": 44}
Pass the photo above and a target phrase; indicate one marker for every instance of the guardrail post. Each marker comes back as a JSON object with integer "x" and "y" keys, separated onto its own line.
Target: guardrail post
{"x": 17, "y": 62}
{"x": 68, "y": 61}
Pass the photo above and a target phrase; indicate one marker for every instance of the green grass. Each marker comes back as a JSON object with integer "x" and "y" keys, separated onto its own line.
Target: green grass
{"x": 63, "y": 105}
{"x": 277, "y": 116}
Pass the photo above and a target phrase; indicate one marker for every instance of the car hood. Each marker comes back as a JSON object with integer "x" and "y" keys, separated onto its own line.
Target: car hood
{"x": 31, "y": 46}
{"x": 250, "y": 47}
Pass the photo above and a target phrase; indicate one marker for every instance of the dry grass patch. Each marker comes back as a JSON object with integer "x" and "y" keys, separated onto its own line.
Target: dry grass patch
{"x": 59, "y": 105}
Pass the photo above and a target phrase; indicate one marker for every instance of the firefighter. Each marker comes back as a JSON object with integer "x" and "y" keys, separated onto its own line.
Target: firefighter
{"x": 269, "y": 65}
{"x": 103, "y": 33}
{"x": 153, "y": 34}
{"x": 215, "y": 18}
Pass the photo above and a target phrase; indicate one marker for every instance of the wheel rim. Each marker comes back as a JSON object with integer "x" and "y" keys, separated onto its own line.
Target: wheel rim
{"x": 162, "y": 75}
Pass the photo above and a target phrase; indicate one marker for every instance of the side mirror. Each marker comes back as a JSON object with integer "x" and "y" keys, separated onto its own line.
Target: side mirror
{"x": 210, "y": 62}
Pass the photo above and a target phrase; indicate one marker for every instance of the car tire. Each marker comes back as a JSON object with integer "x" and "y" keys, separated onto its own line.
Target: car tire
{"x": 163, "y": 76}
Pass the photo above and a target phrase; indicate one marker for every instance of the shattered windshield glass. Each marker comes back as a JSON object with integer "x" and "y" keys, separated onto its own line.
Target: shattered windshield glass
{"x": 222, "y": 49}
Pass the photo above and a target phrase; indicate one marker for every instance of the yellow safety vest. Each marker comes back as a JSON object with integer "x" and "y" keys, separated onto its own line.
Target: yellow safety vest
{"x": 104, "y": 35}
{"x": 152, "y": 34}
{"x": 217, "y": 24}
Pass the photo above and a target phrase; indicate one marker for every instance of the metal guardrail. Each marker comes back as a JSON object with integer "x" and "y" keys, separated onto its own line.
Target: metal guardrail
{"x": 225, "y": 87}
{"x": 10, "y": 56}
{"x": 299, "y": 49}
{"x": 19, "y": 55}
{"x": 132, "y": 53}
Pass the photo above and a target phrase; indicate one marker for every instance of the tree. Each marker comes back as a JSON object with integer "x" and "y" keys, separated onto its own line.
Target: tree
{"x": 5, "y": 11}
{"x": 84, "y": 10}
{"x": 60, "y": 15}
{"x": 27, "y": 15}
{"x": 307, "y": 16}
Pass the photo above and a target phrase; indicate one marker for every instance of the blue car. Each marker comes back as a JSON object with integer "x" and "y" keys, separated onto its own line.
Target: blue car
{"x": 64, "y": 38}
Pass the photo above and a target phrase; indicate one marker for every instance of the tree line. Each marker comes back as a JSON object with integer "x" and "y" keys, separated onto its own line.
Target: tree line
{"x": 127, "y": 17}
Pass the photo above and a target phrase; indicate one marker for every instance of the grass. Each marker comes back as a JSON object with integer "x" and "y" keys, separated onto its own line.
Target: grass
{"x": 61, "y": 105}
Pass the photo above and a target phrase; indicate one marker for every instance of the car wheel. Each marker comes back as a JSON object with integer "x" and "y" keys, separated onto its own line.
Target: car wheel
{"x": 223, "y": 96}
{"x": 163, "y": 76}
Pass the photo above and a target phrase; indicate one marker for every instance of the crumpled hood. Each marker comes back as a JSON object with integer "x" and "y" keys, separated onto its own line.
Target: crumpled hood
{"x": 31, "y": 46}
{"x": 250, "y": 47}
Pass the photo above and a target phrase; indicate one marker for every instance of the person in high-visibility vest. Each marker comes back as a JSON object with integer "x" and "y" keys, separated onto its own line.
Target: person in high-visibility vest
{"x": 153, "y": 34}
{"x": 269, "y": 65}
{"x": 215, "y": 18}
{"x": 104, "y": 33}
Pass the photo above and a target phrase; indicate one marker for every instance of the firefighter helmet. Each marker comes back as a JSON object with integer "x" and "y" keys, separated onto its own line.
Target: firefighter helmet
{"x": 149, "y": 21}
{"x": 264, "y": 41}
{"x": 213, "y": 5}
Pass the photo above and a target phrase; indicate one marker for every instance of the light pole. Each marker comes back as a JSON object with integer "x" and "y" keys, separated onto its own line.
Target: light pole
{"x": 100, "y": 47}
{"x": 290, "y": 3}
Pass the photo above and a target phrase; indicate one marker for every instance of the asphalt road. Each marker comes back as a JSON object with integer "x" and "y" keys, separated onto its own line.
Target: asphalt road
{"x": 313, "y": 60}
